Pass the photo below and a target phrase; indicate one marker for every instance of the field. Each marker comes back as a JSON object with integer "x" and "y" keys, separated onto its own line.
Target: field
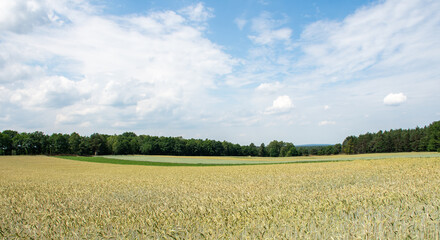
{"x": 219, "y": 161}
{"x": 391, "y": 196}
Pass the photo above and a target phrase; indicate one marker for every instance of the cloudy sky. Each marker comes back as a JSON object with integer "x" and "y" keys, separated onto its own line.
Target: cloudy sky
{"x": 242, "y": 71}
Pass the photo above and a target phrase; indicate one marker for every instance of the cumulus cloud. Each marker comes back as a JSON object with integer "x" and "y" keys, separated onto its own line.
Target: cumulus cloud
{"x": 281, "y": 104}
{"x": 49, "y": 92}
{"x": 267, "y": 30}
{"x": 115, "y": 69}
{"x": 66, "y": 63}
{"x": 394, "y": 99}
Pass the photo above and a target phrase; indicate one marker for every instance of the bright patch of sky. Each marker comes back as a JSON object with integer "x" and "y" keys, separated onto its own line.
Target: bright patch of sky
{"x": 241, "y": 71}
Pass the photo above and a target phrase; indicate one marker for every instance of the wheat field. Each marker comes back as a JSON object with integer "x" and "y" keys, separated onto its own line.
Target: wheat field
{"x": 50, "y": 198}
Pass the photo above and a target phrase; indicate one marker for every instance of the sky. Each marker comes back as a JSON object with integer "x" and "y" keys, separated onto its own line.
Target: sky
{"x": 251, "y": 71}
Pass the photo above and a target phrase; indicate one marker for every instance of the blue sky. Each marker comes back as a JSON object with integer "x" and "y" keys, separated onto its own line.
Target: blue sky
{"x": 223, "y": 25}
{"x": 242, "y": 71}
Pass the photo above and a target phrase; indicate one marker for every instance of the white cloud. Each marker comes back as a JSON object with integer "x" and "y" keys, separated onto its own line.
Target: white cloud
{"x": 394, "y": 99}
{"x": 348, "y": 65}
{"x": 21, "y": 16}
{"x": 270, "y": 36}
{"x": 67, "y": 66}
{"x": 198, "y": 12}
{"x": 78, "y": 114}
{"x": 325, "y": 123}
{"x": 269, "y": 87}
{"x": 281, "y": 104}
{"x": 123, "y": 69}
{"x": 382, "y": 38}
{"x": 49, "y": 92}
{"x": 241, "y": 22}
{"x": 268, "y": 30}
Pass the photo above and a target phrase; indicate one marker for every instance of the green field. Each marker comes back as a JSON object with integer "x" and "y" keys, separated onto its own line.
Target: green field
{"x": 390, "y": 196}
{"x": 207, "y": 161}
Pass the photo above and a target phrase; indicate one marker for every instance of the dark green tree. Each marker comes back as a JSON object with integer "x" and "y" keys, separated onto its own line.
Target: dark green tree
{"x": 252, "y": 150}
{"x": 74, "y": 142}
{"x": 19, "y": 143}
{"x": 262, "y": 150}
{"x": 37, "y": 143}
{"x": 274, "y": 148}
{"x": 348, "y": 146}
{"x": 434, "y": 137}
{"x": 59, "y": 143}
{"x": 5, "y": 143}
{"x": 98, "y": 144}
{"x": 85, "y": 148}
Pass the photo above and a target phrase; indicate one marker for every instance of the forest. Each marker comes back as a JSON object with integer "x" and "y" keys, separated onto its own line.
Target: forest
{"x": 36, "y": 143}
{"x": 409, "y": 140}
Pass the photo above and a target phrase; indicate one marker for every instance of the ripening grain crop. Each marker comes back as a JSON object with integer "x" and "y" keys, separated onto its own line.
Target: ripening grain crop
{"x": 46, "y": 198}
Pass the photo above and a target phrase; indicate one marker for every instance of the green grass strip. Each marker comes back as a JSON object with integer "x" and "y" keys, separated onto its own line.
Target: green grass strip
{"x": 147, "y": 163}
{"x": 126, "y": 162}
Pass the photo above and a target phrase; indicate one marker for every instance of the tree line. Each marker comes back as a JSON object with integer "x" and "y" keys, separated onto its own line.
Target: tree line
{"x": 15, "y": 143}
{"x": 320, "y": 150}
{"x": 399, "y": 140}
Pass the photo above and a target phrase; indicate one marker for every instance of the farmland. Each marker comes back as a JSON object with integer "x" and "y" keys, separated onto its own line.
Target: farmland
{"x": 221, "y": 160}
{"x": 365, "y": 196}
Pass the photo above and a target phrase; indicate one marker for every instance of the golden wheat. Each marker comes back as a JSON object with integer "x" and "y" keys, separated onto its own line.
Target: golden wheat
{"x": 49, "y": 198}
